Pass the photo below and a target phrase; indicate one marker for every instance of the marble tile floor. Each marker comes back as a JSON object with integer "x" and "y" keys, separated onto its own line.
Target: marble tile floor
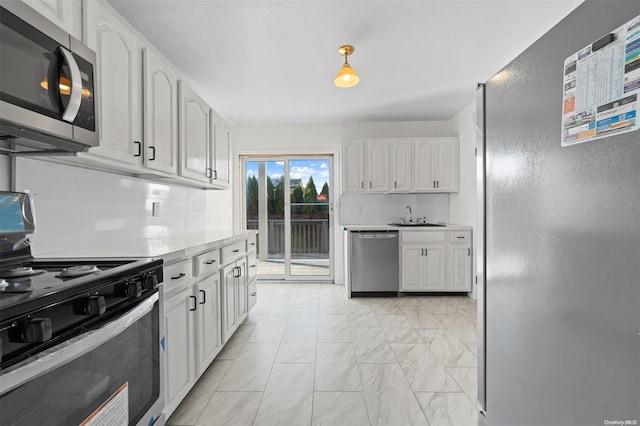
{"x": 307, "y": 355}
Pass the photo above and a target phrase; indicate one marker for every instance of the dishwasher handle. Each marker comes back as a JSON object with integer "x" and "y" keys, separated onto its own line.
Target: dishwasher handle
{"x": 376, "y": 236}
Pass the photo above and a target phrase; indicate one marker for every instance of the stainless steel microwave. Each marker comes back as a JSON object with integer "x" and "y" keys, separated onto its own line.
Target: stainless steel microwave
{"x": 47, "y": 85}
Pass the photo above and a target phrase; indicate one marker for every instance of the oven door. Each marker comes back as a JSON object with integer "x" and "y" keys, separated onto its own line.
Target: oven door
{"x": 108, "y": 375}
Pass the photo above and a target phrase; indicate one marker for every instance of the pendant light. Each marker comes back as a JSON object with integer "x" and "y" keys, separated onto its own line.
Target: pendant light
{"x": 346, "y": 77}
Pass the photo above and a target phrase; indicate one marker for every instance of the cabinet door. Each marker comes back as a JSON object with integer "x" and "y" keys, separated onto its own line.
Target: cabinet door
{"x": 160, "y": 115}
{"x": 424, "y": 171}
{"x": 377, "y": 170}
{"x": 119, "y": 61}
{"x": 401, "y": 165}
{"x": 460, "y": 267}
{"x": 412, "y": 268}
{"x": 180, "y": 348}
{"x": 229, "y": 314}
{"x": 208, "y": 326}
{"x": 194, "y": 135}
{"x": 242, "y": 290}
{"x": 446, "y": 156}
{"x": 353, "y": 166}
{"x": 435, "y": 270}
{"x": 65, "y": 14}
{"x": 222, "y": 142}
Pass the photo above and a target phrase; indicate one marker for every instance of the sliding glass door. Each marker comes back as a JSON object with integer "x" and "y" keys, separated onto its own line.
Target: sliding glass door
{"x": 288, "y": 201}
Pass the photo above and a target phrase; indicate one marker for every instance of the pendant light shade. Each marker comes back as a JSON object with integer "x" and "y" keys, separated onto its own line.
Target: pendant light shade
{"x": 346, "y": 77}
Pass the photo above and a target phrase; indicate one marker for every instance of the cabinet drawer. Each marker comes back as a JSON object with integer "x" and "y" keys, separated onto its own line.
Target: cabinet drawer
{"x": 233, "y": 251}
{"x": 207, "y": 262}
{"x": 252, "y": 294}
{"x": 423, "y": 237}
{"x": 251, "y": 243}
{"x": 252, "y": 267}
{"x": 460, "y": 236}
{"x": 177, "y": 276}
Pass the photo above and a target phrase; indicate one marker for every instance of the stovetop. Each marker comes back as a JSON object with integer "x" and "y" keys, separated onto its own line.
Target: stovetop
{"x": 50, "y": 283}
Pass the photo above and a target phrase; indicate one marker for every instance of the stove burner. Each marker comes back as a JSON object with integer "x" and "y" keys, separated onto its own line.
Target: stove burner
{"x": 78, "y": 270}
{"x": 23, "y": 271}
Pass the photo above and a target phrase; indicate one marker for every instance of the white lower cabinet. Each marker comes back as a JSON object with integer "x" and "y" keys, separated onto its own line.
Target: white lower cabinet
{"x": 204, "y": 306}
{"x": 234, "y": 295}
{"x": 208, "y": 321}
{"x": 180, "y": 348}
{"x": 435, "y": 261}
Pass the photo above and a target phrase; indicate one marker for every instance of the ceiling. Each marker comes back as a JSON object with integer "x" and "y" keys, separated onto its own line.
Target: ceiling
{"x": 274, "y": 61}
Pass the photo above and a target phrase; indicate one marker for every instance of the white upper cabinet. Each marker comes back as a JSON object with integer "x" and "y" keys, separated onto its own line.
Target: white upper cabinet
{"x": 119, "y": 58}
{"x": 221, "y": 149}
{"x": 436, "y": 165}
{"x": 377, "y": 170}
{"x": 365, "y": 166}
{"x": 401, "y": 165}
{"x": 353, "y": 166}
{"x": 67, "y": 14}
{"x": 194, "y": 135}
{"x": 160, "y": 114}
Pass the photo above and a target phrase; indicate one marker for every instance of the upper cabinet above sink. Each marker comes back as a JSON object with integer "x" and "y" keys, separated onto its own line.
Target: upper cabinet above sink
{"x": 428, "y": 164}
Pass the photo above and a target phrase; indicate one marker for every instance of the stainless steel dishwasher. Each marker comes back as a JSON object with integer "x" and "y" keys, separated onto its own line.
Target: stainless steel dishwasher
{"x": 374, "y": 263}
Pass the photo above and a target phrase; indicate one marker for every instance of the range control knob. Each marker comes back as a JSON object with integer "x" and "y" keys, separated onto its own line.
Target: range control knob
{"x": 150, "y": 281}
{"x": 133, "y": 289}
{"x": 36, "y": 330}
{"x": 95, "y": 305}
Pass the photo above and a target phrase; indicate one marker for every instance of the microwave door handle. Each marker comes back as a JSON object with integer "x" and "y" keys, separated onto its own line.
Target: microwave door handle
{"x": 75, "y": 98}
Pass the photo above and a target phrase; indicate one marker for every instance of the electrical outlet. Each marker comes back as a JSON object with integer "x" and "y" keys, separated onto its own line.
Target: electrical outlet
{"x": 155, "y": 209}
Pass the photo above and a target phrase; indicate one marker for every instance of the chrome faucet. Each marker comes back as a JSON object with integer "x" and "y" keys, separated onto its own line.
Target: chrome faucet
{"x": 407, "y": 209}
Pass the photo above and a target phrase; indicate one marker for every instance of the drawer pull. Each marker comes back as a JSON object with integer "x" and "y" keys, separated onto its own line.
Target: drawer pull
{"x": 460, "y": 237}
{"x": 468, "y": 252}
{"x": 180, "y": 275}
{"x": 209, "y": 262}
{"x": 254, "y": 294}
{"x": 252, "y": 266}
{"x": 204, "y": 297}
{"x": 252, "y": 244}
{"x": 195, "y": 301}
{"x": 236, "y": 250}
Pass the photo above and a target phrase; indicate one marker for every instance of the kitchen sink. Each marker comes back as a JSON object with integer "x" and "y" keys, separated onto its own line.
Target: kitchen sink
{"x": 415, "y": 224}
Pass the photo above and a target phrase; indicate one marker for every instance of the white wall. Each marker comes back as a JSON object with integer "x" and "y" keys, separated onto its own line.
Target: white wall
{"x": 77, "y": 208}
{"x": 322, "y": 139}
{"x": 463, "y": 203}
{"x": 370, "y": 209}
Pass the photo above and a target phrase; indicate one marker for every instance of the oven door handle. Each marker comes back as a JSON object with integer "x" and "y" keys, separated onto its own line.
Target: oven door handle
{"x": 66, "y": 352}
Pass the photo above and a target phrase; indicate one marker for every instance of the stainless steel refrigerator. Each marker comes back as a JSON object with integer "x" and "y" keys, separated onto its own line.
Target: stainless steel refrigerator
{"x": 559, "y": 289}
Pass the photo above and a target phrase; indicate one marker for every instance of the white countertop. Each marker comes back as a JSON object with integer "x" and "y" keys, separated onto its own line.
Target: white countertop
{"x": 378, "y": 227}
{"x": 167, "y": 247}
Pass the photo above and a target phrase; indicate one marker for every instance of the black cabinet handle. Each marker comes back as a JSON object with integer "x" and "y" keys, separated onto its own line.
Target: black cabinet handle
{"x": 362, "y": 185}
{"x": 468, "y": 252}
{"x": 208, "y": 173}
{"x": 204, "y": 297}
{"x": 139, "y": 153}
{"x": 153, "y": 153}
{"x": 460, "y": 237}
{"x": 209, "y": 262}
{"x": 434, "y": 183}
{"x": 195, "y": 301}
{"x": 180, "y": 275}
{"x": 395, "y": 184}
{"x": 215, "y": 174}
{"x": 369, "y": 185}
{"x": 437, "y": 184}
{"x": 426, "y": 252}
{"x": 236, "y": 250}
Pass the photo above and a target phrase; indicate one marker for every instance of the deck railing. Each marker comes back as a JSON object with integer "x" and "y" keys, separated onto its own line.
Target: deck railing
{"x": 308, "y": 236}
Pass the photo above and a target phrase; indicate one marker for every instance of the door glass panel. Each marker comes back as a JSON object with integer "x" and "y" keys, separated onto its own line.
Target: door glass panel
{"x": 265, "y": 213}
{"x": 310, "y": 234}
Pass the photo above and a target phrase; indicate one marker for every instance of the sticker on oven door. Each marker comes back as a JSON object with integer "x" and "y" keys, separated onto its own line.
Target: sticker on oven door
{"x": 113, "y": 412}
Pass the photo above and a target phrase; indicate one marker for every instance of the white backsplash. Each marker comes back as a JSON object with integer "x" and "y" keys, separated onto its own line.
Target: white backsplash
{"x": 372, "y": 209}
{"x": 77, "y": 208}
